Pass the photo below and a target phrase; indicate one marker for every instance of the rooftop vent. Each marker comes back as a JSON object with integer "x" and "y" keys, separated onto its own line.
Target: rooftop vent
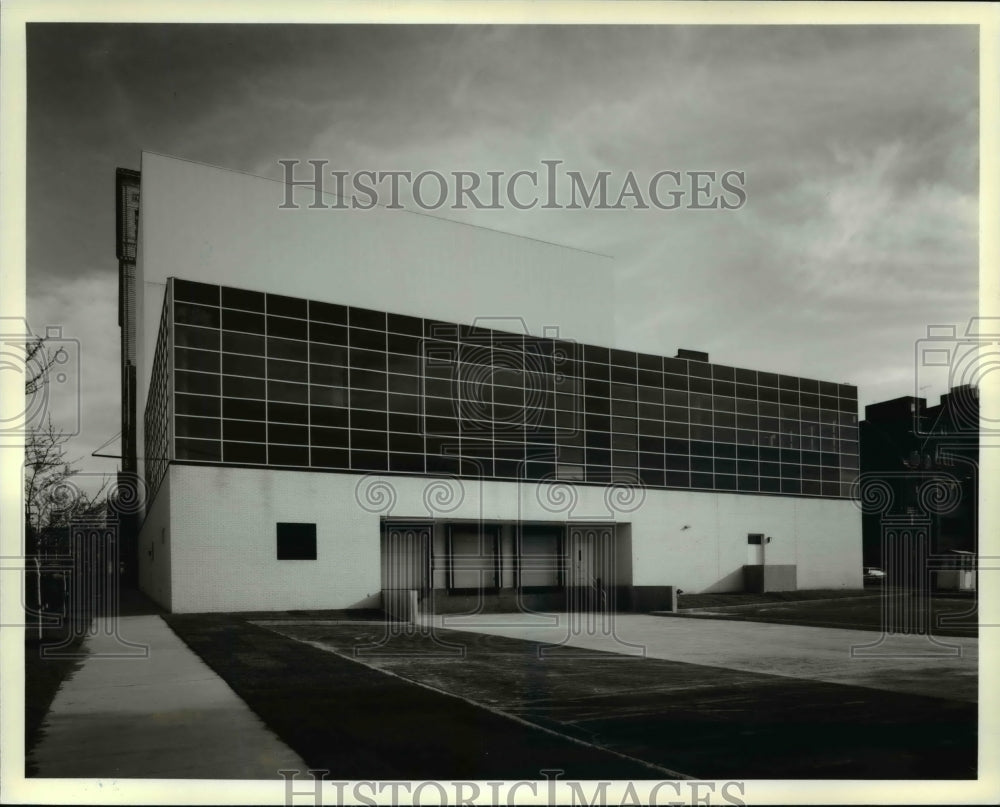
{"x": 692, "y": 355}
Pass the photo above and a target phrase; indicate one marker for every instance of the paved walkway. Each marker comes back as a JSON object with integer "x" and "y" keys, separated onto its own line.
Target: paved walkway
{"x": 165, "y": 716}
{"x": 906, "y": 664}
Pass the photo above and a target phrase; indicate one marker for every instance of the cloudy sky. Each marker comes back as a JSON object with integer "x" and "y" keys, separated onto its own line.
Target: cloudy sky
{"x": 859, "y": 147}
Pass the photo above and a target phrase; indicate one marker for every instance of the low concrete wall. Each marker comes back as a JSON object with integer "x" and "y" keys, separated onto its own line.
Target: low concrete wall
{"x": 401, "y": 604}
{"x": 645, "y": 599}
{"x": 772, "y": 577}
{"x": 627, "y": 599}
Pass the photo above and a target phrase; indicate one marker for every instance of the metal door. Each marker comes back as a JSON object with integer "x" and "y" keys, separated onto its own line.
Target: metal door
{"x": 406, "y": 558}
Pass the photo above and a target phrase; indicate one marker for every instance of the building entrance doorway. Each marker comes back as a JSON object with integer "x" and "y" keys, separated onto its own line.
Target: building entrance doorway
{"x": 406, "y": 558}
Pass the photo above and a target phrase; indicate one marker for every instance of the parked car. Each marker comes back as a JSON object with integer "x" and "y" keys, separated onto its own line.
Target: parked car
{"x": 873, "y": 573}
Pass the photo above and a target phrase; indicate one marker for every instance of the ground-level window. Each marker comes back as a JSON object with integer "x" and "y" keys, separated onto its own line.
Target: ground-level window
{"x": 296, "y": 541}
{"x": 755, "y": 538}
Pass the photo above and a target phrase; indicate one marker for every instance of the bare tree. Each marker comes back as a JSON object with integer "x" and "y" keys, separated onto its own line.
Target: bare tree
{"x": 52, "y": 498}
{"x": 37, "y": 363}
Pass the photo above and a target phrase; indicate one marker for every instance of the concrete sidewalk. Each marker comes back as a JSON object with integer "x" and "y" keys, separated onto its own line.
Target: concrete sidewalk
{"x": 908, "y": 664}
{"x": 165, "y": 716}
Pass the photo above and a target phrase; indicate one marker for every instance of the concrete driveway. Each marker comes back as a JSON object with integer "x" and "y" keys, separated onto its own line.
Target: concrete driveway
{"x": 939, "y": 667}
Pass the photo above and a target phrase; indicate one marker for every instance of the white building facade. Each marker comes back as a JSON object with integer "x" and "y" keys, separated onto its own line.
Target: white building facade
{"x": 332, "y": 404}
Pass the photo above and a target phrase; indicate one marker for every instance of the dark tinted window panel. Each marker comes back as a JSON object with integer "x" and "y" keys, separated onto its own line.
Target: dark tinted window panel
{"x": 234, "y": 387}
{"x": 368, "y": 441}
{"x": 700, "y": 369}
{"x": 242, "y": 321}
{"x": 329, "y": 375}
{"x": 330, "y": 458}
{"x": 723, "y": 482}
{"x": 406, "y": 404}
{"x": 246, "y": 300}
{"x": 369, "y": 340}
{"x": 809, "y": 385}
{"x": 244, "y": 453}
{"x": 653, "y": 428}
{"x": 651, "y": 461}
{"x": 828, "y": 388}
{"x": 673, "y": 446}
{"x": 624, "y": 425}
{"x": 406, "y": 463}
{"x": 726, "y": 388}
{"x": 192, "y": 292}
{"x": 725, "y": 419}
{"x": 725, "y": 435}
{"x": 244, "y": 410}
{"x": 623, "y": 375}
{"x": 187, "y": 336}
{"x": 598, "y": 456}
{"x": 328, "y": 312}
{"x": 624, "y": 442}
{"x": 286, "y": 349}
{"x": 677, "y": 479}
{"x": 286, "y": 306}
{"x": 720, "y": 404}
{"x": 368, "y": 379}
{"x": 328, "y": 354}
{"x": 190, "y": 314}
{"x": 202, "y": 360}
{"x": 725, "y": 450}
{"x": 410, "y": 385}
{"x": 197, "y": 450}
{"x": 329, "y": 438}
{"x": 723, "y": 373}
{"x": 328, "y": 416}
{"x": 369, "y": 461}
{"x": 365, "y": 318}
{"x": 701, "y": 386}
{"x": 233, "y": 364}
{"x": 701, "y": 481}
{"x": 196, "y": 405}
{"x": 592, "y": 353}
{"x": 296, "y": 541}
{"x": 404, "y": 423}
{"x": 369, "y": 360}
{"x": 647, "y": 361}
{"x": 652, "y": 395}
{"x": 408, "y": 443}
{"x": 243, "y": 343}
{"x": 247, "y": 431}
{"x": 675, "y": 462}
{"x": 767, "y": 379}
{"x": 769, "y": 485}
{"x": 767, "y": 394}
{"x": 405, "y": 345}
{"x": 328, "y": 396}
{"x": 287, "y": 413}
{"x": 328, "y": 334}
{"x": 287, "y": 455}
{"x": 285, "y": 370}
{"x": 287, "y": 392}
{"x": 198, "y": 383}
{"x": 702, "y": 464}
{"x": 748, "y": 484}
{"x": 288, "y": 328}
{"x": 595, "y": 406}
{"x": 650, "y": 378}
{"x": 405, "y": 365}
{"x": 792, "y": 486}
{"x": 375, "y": 421}
{"x": 197, "y": 427}
{"x": 402, "y": 324}
{"x": 287, "y": 433}
{"x": 725, "y": 466}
